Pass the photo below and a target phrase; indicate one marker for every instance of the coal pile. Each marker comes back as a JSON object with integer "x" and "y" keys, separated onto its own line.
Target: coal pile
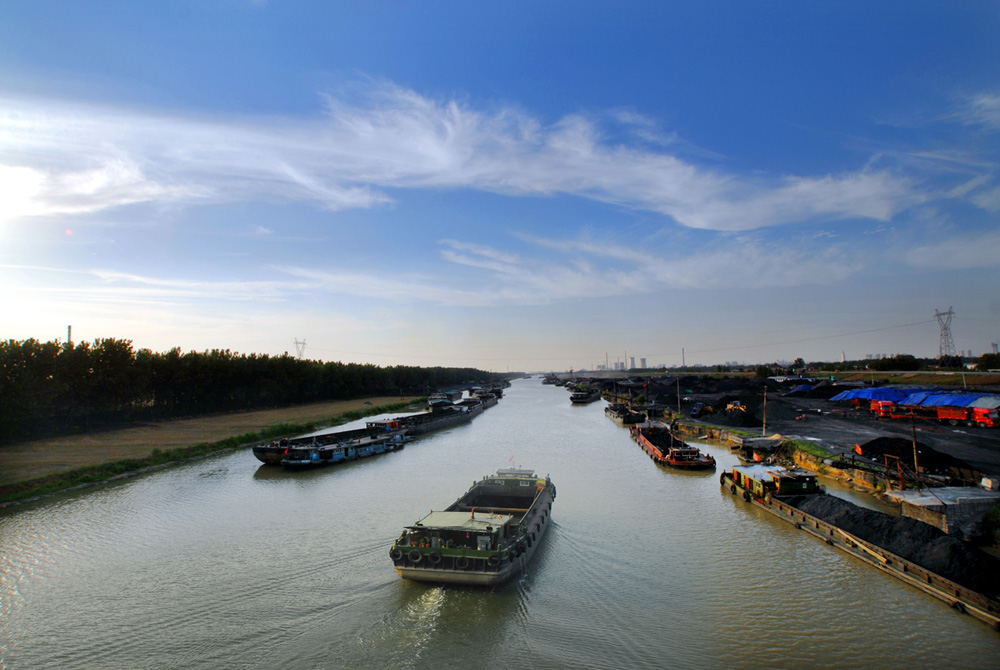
{"x": 824, "y": 391}
{"x": 930, "y": 461}
{"x": 913, "y": 540}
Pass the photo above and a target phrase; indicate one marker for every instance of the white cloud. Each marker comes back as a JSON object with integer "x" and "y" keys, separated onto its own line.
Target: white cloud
{"x": 958, "y": 253}
{"x": 78, "y": 158}
{"x": 988, "y": 199}
{"x": 981, "y": 109}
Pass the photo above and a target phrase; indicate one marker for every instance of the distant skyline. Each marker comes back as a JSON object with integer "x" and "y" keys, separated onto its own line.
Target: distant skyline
{"x": 508, "y": 186}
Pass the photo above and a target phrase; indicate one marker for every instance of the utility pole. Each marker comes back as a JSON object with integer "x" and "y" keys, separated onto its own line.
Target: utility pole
{"x": 763, "y": 431}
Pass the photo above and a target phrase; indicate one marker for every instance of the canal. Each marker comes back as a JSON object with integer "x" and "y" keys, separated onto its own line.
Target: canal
{"x": 224, "y": 563}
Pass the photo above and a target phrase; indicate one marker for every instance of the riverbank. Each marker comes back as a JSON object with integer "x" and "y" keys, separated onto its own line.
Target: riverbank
{"x": 45, "y": 466}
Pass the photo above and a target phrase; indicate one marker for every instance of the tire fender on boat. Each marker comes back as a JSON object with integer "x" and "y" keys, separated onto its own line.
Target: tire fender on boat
{"x": 722, "y": 478}
{"x": 434, "y": 557}
{"x": 746, "y": 496}
{"x": 461, "y": 562}
{"x": 395, "y": 554}
{"x": 732, "y": 489}
{"x": 415, "y": 556}
{"x": 493, "y": 560}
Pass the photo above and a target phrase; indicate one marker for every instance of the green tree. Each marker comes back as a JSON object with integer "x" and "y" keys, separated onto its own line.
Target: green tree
{"x": 988, "y": 362}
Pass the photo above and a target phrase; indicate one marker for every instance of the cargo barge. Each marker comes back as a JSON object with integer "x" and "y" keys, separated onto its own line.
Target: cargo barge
{"x": 623, "y": 415}
{"x": 308, "y": 456}
{"x": 765, "y": 486}
{"x": 585, "y": 396}
{"x": 484, "y": 538}
{"x": 273, "y": 453}
{"x": 411, "y": 425}
{"x": 657, "y": 440}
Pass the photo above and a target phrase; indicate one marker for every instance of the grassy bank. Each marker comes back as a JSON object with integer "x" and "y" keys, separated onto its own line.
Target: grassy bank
{"x": 94, "y": 474}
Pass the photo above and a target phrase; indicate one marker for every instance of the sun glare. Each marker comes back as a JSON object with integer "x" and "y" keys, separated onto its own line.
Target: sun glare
{"x": 18, "y": 188}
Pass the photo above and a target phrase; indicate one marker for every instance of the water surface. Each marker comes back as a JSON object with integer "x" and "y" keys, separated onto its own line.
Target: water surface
{"x": 224, "y": 563}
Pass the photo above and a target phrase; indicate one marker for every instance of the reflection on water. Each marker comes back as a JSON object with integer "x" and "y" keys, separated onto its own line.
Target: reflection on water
{"x": 226, "y": 563}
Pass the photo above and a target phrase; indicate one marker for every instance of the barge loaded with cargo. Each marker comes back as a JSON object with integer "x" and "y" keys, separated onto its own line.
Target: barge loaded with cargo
{"x": 381, "y": 435}
{"x": 623, "y": 415}
{"x": 484, "y": 538}
{"x": 914, "y": 552}
{"x": 657, "y": 440}
{"x": 273, "y": 453}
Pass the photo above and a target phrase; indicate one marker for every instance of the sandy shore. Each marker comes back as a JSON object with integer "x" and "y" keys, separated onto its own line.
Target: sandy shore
{"x": 39, "y": 458}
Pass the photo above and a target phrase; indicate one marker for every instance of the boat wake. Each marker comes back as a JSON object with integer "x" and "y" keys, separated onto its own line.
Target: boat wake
{"x": 404, "y": 636}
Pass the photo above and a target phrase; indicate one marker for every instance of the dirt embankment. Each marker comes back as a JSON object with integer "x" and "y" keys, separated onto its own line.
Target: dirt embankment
{"x": 41, "y": 458}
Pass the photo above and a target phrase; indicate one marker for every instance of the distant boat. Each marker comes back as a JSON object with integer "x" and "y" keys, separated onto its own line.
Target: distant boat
{"x": 484, "y": 538}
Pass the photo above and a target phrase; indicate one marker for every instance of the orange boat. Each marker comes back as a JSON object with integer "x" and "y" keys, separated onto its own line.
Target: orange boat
{"x": 665, "y": 448}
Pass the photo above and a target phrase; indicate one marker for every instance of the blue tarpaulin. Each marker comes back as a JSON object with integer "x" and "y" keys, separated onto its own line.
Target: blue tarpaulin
{"x": 878, "y": 393}
{"x": 931, "y": 399}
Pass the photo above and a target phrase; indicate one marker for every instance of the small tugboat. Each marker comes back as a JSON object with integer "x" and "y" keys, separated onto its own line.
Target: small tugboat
{"x": 484, "y": 538}
{"x": 662, "y": 445}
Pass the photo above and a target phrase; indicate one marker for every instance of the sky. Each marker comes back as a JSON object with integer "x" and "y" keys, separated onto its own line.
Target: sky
{"x": 521, "y": 186}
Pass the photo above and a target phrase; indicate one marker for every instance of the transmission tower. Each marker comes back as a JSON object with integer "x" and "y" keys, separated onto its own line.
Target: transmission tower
{"x": 947, "y": 347}
{"x": 300, "y": 348}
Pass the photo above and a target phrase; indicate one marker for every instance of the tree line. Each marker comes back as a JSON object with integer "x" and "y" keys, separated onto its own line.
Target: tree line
{"x": 51, "y": 388}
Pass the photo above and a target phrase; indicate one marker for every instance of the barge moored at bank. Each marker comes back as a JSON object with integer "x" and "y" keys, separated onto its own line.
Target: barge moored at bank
{"x": 657, "y": 440}
{"x": 375, "y": 432}
{"x": 623, "y": 415}
{"x": 273, "y": 453}
{"x": 778, "y": 490}
{"x": 584, "y": 396}
{"x": 307, "y": 456}
{"x": 484, "y": 538}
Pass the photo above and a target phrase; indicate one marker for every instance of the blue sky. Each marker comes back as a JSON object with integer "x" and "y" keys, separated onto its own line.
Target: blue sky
{"x": 506, "y": 185}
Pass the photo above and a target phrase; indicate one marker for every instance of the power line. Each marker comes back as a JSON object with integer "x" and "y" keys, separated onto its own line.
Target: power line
{"x": 573, "y": 358}
{"x": 814, "y": 339}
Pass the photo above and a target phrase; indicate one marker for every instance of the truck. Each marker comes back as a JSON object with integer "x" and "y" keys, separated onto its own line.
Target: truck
{"x": 983, "y": 417}
{"x": 700, "y": 409}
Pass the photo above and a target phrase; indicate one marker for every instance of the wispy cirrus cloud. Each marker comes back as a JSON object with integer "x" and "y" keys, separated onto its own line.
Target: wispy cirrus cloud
{"x": 74, "y": 158}
{"x": 980, "y": 109}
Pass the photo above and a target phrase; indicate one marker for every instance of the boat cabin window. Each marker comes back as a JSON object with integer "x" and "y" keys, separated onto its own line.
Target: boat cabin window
{"x": 483, "y": 543}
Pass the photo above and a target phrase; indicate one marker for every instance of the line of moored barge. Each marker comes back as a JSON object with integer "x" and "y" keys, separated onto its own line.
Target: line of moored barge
{"x": 377, "y": 437}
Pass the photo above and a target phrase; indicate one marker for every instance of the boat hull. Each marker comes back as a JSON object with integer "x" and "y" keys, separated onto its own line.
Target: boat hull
{"x": 436, "y": 561}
